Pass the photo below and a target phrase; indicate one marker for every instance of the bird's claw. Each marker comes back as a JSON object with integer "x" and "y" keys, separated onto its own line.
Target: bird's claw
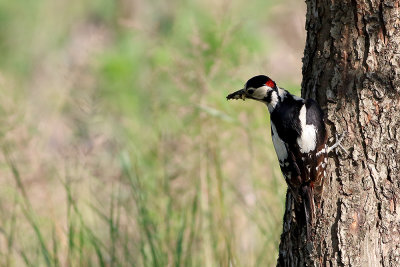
{"x": 338, "y": 144}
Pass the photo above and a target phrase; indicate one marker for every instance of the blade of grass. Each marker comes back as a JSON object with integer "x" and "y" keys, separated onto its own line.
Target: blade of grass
{"x": 27, "y": 207}
{"x": 10, "y": 238}
{"x": 179, "y": 242}
{"x": 99, "y": 253}
{"x": 56, "y": 261}
{"x": 192, "y": 229}
{"x": 84, "y": 230}
{"x": 25, "y": 259}
{"x": 112, "y": 228}
{"x": 143, "y": 218}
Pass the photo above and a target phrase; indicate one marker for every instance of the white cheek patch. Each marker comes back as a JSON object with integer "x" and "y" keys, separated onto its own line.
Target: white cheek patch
{"x": 279, "y": 145}
{"x": 307, "y": 140}
{"x": 274, "y": 101}
{"x": 260, "y": 92}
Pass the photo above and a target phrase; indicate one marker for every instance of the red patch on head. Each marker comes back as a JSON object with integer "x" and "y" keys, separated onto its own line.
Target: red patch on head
{"x": 270, "y": 83}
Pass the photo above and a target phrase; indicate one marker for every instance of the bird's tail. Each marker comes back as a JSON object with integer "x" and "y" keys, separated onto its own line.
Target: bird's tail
{"x": 309, "y": 207}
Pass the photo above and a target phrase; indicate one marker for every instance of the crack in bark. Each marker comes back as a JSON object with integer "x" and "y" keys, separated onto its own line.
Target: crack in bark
{"x": 364, "y": 146}
{"x": 366, "y": 45}
{"x": 363, "y": 143}
{"x": 358, "y": 101}
{"x": 382, "y": 22}
{"x": 335, "y": 229}
{"x": 355, "y": 14}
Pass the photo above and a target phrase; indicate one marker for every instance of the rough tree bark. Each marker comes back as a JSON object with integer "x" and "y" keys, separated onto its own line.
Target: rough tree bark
{"x": 351, "y": 66}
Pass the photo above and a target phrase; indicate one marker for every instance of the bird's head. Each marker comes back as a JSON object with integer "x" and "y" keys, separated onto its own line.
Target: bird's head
{"x": 260, "y": 88}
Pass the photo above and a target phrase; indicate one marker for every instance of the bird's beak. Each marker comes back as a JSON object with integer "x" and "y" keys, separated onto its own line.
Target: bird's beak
{"x": 240, "y": 94}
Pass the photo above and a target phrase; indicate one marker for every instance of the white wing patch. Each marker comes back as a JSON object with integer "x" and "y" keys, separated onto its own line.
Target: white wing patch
{"x": 279, "y": 145}
{"x": 307, "y": 140}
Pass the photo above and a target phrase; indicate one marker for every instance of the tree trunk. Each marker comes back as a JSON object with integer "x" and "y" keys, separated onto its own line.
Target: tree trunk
{"x": 351, "y": 67}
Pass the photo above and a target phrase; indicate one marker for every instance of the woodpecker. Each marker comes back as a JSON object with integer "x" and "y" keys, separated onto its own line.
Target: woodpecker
{"x": 299, "y": 136}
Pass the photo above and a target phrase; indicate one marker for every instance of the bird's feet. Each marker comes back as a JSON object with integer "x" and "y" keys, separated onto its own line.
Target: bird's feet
{"x": 337, "y": 145}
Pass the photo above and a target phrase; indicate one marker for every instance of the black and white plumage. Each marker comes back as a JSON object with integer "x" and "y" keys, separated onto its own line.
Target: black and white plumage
{"x": 299, "y": 137}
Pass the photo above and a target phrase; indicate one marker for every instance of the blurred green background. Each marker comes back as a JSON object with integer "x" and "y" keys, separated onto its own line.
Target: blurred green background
{"x": 118, "y": 147}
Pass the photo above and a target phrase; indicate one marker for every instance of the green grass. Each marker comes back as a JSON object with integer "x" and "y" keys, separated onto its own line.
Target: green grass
{"x": 118, "y": 145}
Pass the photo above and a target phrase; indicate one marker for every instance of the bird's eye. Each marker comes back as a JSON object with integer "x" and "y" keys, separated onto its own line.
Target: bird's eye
{"x": 250, "y": 91}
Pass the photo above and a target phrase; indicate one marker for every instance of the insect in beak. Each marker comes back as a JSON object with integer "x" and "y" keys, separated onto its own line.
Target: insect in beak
{"x": 240, "y": 94}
